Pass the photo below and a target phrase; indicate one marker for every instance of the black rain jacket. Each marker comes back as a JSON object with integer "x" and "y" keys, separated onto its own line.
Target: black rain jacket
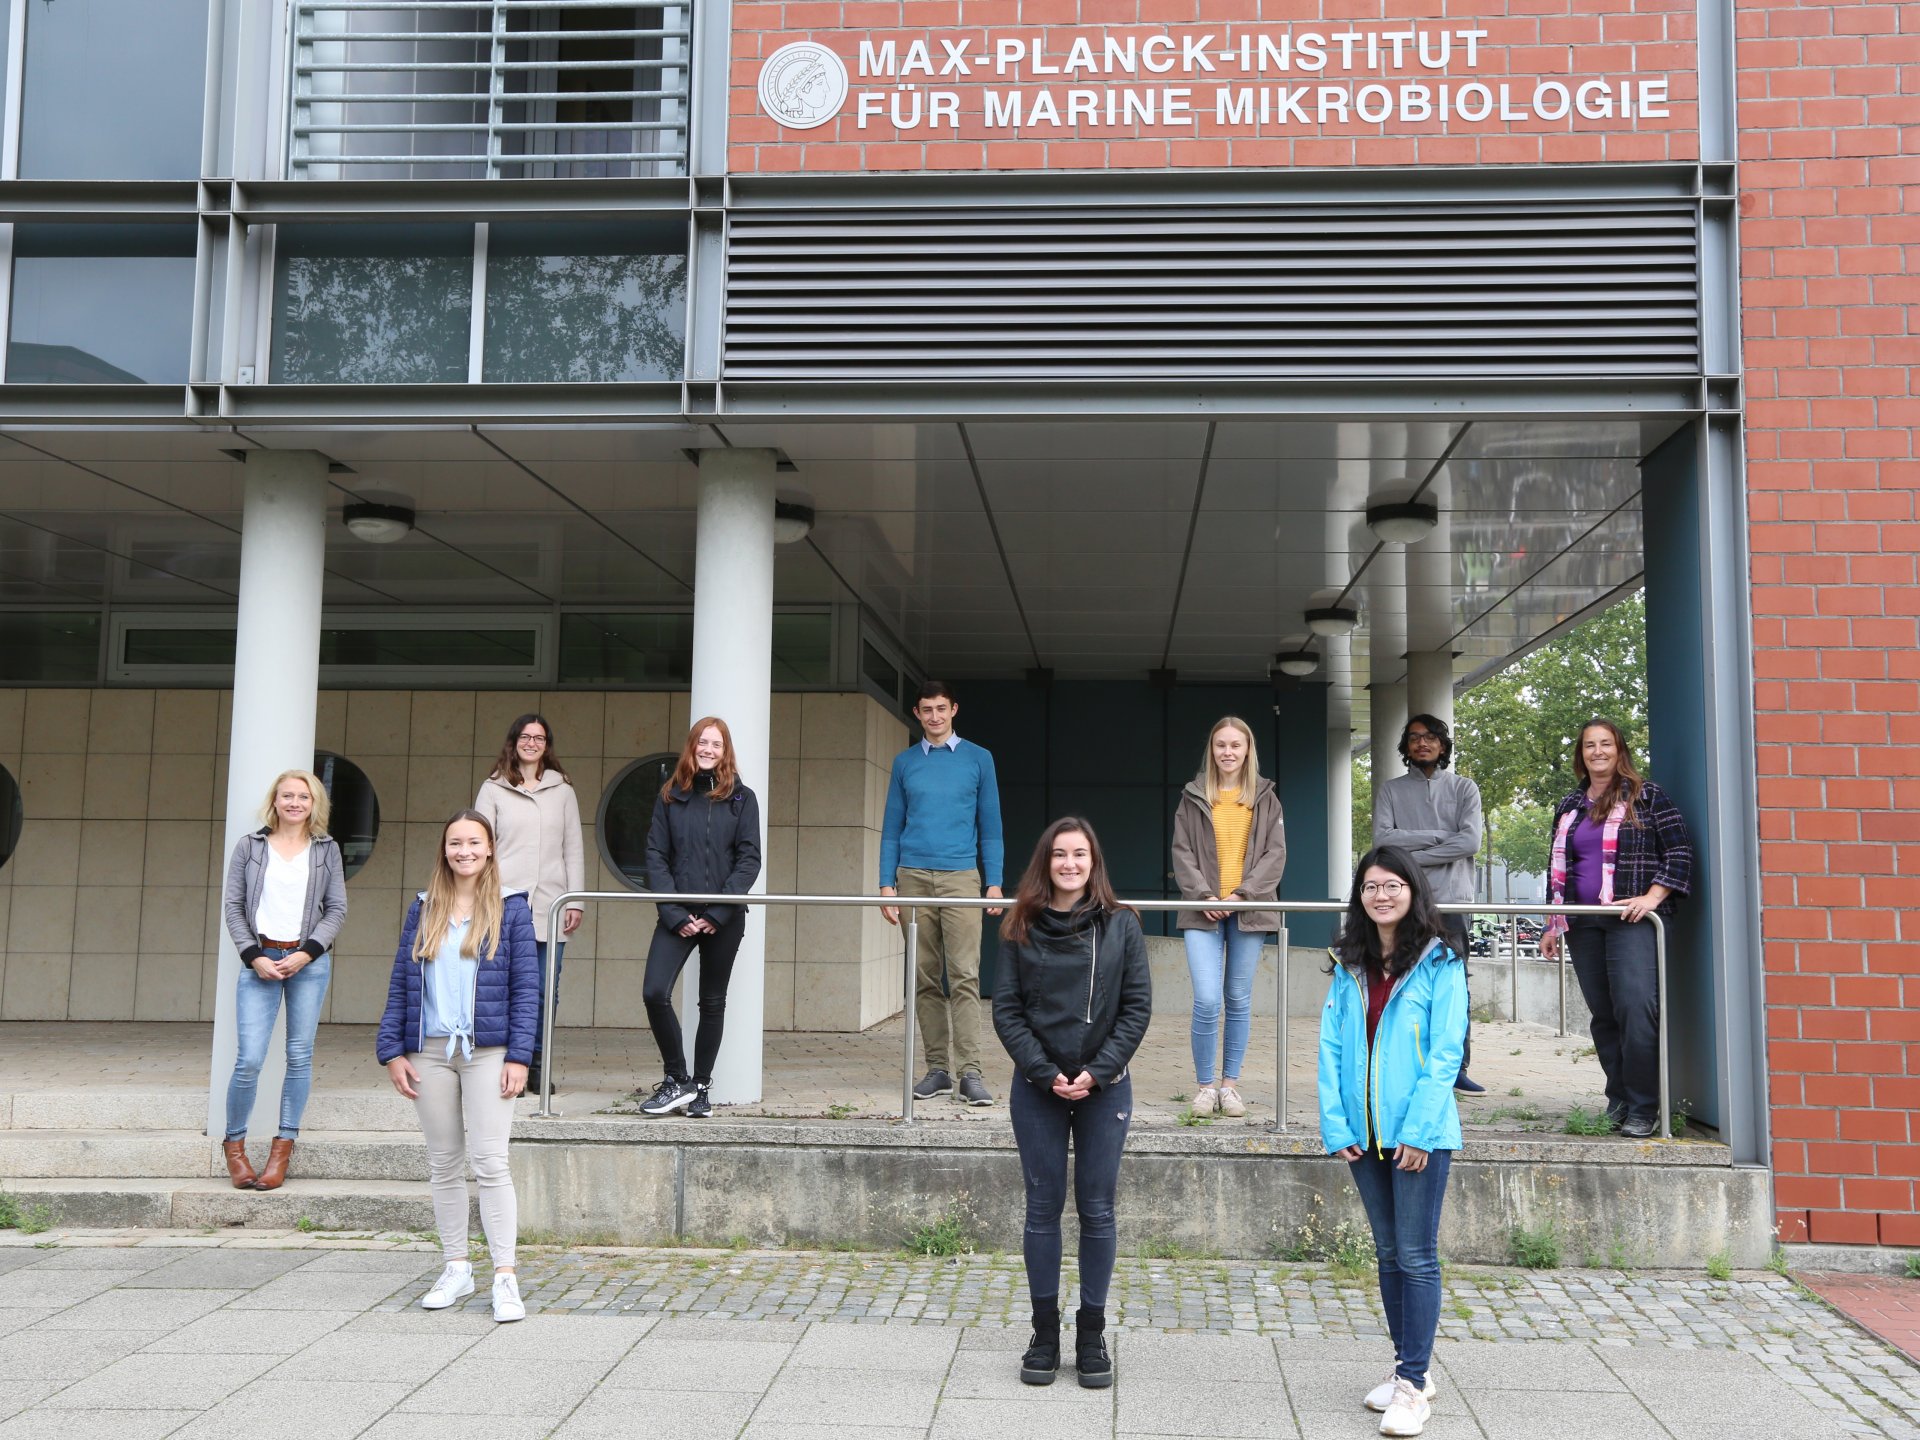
{"x": 699, "y": 845}
{"x": 1075, "y": 995}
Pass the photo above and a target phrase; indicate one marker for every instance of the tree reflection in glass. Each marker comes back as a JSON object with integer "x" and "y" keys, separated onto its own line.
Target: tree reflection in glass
{"x": 353, "y": 309}
{"x": 585, "y": 304}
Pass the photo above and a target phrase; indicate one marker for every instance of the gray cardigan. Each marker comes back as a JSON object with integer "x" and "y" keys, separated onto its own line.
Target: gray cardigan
{"x": 326, "y": 907}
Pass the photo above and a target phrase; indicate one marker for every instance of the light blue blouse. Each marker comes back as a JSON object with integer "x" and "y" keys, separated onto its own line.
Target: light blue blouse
{"x": 446, "y": 993}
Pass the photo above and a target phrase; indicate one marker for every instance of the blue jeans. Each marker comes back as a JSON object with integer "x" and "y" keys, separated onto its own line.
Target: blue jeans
{"x": 1042, "y": 1125}
{"x": 1222, "y": 951}
{"x": 1403, "y": 1207}
{"x": 559, "y": 960}
{"x": 258, "y": 1004}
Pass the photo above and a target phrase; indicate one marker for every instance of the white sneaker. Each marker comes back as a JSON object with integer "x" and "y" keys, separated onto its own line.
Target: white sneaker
{"x": 1231, "y": 1105}
{"x": 1206, "y": 1100}
{"x": 1407, "y": 1413}
{"x": 1381, "y": 1395}
{"x": 455, "y": 1284}
{"x": 507, "y": 1304}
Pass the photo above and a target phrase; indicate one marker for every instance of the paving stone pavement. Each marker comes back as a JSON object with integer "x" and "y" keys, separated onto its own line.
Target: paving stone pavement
{"x": 142, "y": 1335}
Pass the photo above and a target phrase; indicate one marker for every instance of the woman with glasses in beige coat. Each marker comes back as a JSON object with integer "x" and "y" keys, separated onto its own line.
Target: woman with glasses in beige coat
{"x": 535, "y": 816}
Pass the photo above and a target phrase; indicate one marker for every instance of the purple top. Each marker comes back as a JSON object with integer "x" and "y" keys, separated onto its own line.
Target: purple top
{"x": 1583, "y": 857}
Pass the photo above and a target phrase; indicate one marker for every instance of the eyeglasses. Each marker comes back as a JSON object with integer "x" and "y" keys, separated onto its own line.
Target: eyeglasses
{"x": 1387, "y": 888}
{"x": 535, "y": 736}
{"x": 1414, "y": 737}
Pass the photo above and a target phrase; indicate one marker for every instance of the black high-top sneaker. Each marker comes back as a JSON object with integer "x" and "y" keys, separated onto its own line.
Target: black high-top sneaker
{"x": 701, "y": 1106}
{"x": 669, "y": 1095}
{"x": 1042, "y": 1360}
{"x": 1090, "y": 1348}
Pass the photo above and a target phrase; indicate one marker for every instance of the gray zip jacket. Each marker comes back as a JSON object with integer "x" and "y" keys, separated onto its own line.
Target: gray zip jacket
{"x": 326, "y": 907}
{"x": 1437, "y": 822}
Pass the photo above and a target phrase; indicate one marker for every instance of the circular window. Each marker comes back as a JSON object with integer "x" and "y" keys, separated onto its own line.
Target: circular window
{"x": 355, "y": 822}
{"x": 626, "y": 810}
{"x": 13, "y": 815}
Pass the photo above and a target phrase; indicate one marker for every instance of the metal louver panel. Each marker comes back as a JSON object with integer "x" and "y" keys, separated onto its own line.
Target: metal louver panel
{"x": 1591, "y": 288}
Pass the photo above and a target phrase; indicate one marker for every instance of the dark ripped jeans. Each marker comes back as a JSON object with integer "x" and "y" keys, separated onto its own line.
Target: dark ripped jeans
{"x": 1043, "y": 1123}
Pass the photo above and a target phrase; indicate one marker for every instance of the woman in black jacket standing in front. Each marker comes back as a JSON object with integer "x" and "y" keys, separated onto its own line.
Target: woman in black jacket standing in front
{"x": 1071, "y": 1003}
{"x": 704, "y": 839}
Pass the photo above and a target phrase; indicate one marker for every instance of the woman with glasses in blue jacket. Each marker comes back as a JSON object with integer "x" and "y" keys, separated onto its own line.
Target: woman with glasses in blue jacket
{"x": 1391, "y": 1038}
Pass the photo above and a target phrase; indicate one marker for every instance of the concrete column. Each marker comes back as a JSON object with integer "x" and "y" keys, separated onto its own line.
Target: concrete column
{"x": 276, "y": 677}
{"x": 1339, "y": 809}
{"x": 1386, "y": 718}
{"x": 733, "y": 678}
{"x": 1430, "y": 684}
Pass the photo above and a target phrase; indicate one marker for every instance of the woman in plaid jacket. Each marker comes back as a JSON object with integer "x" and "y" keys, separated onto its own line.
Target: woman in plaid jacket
{"x": 1618, "y": 840}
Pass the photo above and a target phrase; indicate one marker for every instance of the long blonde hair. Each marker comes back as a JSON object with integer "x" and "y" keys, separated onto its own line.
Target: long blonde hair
{"x": 1209, "y": 777}
{"x": 317, "y": 816}
{"x": 436, "y": 914}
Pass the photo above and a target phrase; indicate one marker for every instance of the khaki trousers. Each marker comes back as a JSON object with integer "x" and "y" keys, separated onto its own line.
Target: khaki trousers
{"x": 950, "y": 944}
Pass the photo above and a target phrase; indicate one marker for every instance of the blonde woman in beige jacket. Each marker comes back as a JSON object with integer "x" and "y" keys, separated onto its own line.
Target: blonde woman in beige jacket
{"x": 1229, "y": 843}
{"x": 538, "y": 846}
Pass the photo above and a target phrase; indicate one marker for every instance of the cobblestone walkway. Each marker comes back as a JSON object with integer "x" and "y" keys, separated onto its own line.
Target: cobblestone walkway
{"x": 152, "y": 1334}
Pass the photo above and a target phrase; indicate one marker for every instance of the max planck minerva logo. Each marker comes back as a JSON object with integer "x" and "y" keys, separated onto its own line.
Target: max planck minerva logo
{"x": 803, "y": 85}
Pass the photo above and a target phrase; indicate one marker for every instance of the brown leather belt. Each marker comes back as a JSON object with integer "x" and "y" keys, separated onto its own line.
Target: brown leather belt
{"x": 266, "y": 944}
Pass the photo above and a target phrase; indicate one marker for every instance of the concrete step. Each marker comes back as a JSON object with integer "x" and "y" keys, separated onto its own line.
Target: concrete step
{"x": 376, "y": 1205}
{"x": 186, "y": 1109}
{"x": 188, "y": 1154}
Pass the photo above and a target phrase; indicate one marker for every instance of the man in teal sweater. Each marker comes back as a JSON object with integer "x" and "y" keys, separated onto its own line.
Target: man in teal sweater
{"x": 941, "y": 837}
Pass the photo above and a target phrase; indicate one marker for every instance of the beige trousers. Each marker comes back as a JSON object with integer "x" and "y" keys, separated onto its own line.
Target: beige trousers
{"x": 950, "y": 944}
{"x": 465, "y": 1119}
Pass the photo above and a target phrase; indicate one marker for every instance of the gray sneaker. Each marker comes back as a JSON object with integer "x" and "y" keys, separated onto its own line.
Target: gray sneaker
{"x": 934, "y": 1082}
{"x": 973, "y": 1092}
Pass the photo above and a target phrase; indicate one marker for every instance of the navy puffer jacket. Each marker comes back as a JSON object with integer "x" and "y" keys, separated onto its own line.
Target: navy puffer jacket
{"x": 506, "y": 999}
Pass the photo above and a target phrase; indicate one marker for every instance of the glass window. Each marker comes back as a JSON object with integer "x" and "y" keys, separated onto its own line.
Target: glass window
{"x": 45, "y": 647}
{"x": 656, "y": 649}
{"x": 582, "y": 303}
{"x": 626, "y": 810}
{"x": 115, "y": 90}
{"x": 372, "y": 305}
{"x": 879, "y": 671}
{"x": 101, "y": 305}
{"x": 13, "y": 815}
{"x": 355, "y": 822}
{"x": 351, "y": 647}
{"x": 802, "y": 649}
{"x": 626, "y": 649}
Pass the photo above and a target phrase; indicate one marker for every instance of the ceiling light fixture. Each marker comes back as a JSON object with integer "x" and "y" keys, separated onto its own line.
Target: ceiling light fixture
{"x": 377, "y": 524}
{"x": 1403, "y": 522}
{"x": 791, "y": 521}
{"x": 1332, "y": 620}
{"x": 1297, "y": 663}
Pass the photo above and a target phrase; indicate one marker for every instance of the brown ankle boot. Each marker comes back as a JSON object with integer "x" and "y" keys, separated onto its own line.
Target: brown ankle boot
{"x": 276, "y": 1169}
{"x": 239, "y": 1168}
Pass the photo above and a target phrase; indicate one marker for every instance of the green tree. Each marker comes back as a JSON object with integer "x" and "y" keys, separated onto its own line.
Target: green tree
{"x": 1517, "y": 837}
{"x": 1515, "y": 732}
{"x": 1362, "y": 807}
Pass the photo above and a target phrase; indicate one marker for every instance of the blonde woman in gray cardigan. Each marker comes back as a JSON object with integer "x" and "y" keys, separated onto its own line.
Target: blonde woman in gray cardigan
{"x": 537, "y": 843}
{"x": 1229, "y": 843}
{"x": 285, "y": 901}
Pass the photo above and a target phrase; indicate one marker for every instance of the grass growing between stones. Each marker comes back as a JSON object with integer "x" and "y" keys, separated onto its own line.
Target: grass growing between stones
{"x": 1342, "y": 1246}
{"x": 1582, "y": 1121}
{"x": 1535, "y": 1247}
{"x": 949, "y": 1234}
{"x": 1720, "y": 1266}
{"x": 27, "y": 1219}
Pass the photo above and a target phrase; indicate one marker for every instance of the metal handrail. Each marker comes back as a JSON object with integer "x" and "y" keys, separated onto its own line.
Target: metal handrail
{"x": 908, "y": 904}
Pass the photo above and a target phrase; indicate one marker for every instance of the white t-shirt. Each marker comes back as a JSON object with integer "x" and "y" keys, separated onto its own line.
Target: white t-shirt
{"x": 283, "y": 898}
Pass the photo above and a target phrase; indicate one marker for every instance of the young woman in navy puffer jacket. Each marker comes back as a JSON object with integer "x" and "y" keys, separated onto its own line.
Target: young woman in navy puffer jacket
{"x": 457, "y": 1037}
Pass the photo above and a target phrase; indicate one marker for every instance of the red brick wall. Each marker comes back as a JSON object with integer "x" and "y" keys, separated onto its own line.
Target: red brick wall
{"x": 1830, "y": 180}
{"x": 1527, "y": 41}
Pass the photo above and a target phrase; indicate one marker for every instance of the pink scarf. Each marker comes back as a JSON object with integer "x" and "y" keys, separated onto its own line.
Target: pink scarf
{"x": 1557, "y": 866}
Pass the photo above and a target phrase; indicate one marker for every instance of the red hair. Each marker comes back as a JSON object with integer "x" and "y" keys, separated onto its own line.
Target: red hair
{"x": 725, "y": 775}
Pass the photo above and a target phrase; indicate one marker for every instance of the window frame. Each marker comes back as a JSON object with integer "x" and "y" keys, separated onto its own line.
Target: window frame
{"x": 543, "y": 624}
